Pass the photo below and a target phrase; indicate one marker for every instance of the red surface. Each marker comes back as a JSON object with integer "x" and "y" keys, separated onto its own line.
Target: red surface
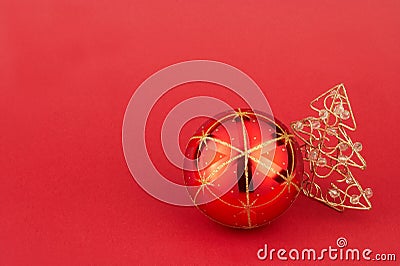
{"x": 68, "y": 69}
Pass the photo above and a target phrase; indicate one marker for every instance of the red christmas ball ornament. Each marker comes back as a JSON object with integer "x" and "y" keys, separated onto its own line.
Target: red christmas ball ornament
{"x": 243, "y": 169}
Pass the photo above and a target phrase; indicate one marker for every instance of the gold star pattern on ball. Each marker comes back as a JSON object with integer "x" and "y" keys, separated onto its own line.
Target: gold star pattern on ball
{"x": 248, "y": 169}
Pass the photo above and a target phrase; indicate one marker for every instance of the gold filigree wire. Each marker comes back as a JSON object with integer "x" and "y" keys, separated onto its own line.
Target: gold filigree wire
{"x": 330, "y": 154}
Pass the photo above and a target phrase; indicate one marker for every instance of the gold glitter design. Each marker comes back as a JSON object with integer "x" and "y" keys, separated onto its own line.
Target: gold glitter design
{"x": 246, "y": 153}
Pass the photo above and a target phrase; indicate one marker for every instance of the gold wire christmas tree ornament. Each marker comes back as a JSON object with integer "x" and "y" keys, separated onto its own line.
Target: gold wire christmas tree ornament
{"x": 330, "y": 154}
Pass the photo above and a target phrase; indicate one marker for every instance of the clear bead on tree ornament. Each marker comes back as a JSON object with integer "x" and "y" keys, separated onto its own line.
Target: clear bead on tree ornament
{"x": 368, "y": 192}
{"x": 357, "y": 146}
{"x": 334, "y": 193}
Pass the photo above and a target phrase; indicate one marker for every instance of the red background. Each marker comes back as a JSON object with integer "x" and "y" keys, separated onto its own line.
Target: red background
{"x": 69, "y": 68}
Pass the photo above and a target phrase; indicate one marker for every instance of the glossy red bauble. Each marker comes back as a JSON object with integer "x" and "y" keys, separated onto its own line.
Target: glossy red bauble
{"x": 243, "y": 169}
